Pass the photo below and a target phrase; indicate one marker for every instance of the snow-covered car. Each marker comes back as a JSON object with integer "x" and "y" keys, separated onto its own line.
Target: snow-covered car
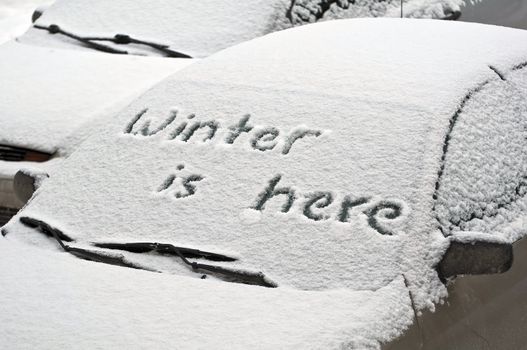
{"x": 53, "y": 99}
{"x": 53, "y": 96}
{"x": 311, "y": 189}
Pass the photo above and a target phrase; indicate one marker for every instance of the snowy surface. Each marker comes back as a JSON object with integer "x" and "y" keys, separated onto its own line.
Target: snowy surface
{"x": 15, "y": 16}
{"x": 51, "y": 301}
{"x": 9, "y": 169}
{"x": 201, "y": 28}
{"x": 484, "y": 182}
{"x": 52, "y": 99}
{"x": 196, "y": 28}
{"x": 378, "y": 98}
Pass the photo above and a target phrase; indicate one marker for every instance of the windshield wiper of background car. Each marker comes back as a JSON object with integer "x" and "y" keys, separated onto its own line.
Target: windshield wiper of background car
{"x": 120, "y": 39}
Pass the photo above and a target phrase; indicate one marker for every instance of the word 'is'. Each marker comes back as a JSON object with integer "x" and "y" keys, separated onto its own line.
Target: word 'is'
{"x": 260, "y": 138}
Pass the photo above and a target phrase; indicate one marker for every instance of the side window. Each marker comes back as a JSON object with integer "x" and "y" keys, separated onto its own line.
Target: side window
{"x": 483, "y": 178}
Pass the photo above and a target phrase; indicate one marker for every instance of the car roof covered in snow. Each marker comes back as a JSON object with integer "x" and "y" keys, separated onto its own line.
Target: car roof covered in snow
{"x": 51, "y": 98}
{"x": 201, "y": 28}
{"x": 306, "y": 160}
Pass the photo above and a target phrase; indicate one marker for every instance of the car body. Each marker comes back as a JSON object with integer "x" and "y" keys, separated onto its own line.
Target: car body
{"x": 338, "y": 181}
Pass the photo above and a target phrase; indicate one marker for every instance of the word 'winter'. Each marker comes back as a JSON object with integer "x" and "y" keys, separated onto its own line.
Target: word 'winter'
{"x": 260, "y": 138}
{"x": 313, "y": 207}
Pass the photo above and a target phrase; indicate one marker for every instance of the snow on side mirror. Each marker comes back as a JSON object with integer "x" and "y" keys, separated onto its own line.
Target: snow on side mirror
{"x": 26, "y": 183}
{"x": 473, "y": 253}
{"x": 38, "y": 13}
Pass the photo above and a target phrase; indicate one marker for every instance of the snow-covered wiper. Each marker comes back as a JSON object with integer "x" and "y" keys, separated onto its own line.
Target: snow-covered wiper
{"x": 224, "y": 273}
{"x": 231, "y": 274}
{"x": 119, "y": 39}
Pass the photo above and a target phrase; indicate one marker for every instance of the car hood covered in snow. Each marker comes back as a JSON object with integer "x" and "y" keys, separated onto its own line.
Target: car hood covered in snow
{"x": 201, "y": 28}
{"x": 52, "y": 98}
{"x": 306, "y": 160}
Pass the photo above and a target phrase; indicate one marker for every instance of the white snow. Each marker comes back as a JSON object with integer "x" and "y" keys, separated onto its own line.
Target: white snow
{"x": 52, "y": 99}
{"x": 197, "y": 28}
{"x": 201, "y": 28}
{"x": 484, "y": 182}
{"x": 377, "y": 97}
{"x": 15, "y": 16}
{"x": 52, "y": 300}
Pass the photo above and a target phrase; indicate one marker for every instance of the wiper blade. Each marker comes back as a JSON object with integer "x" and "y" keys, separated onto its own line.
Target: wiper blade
{"x": 226, "y": 273}
{"x": 85, "y": 254}
{"x": 55, "y": 29}
{"x": 46, "y": 229}
{"x": 124, "y": 39}
{"x": 119, "y": 39}
{"x": 230, "y": 274}
{"x": 145, "y": 247}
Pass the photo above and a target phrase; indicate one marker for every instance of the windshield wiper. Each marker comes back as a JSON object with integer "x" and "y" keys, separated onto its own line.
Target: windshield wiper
{"x": 119, "y": 39}
{"x": 145, "y": 247}
{"x": 225, "y": 273}
{"x": 55, "y": 29}
{"x": 85, "y": 254}
{"x": 230, "y": 274}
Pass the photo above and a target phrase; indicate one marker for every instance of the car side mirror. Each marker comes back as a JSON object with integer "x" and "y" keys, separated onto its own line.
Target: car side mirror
{"x": 38, "y": 12}
{"x": 26, "y": 183}
{"x": 475, "y": 254}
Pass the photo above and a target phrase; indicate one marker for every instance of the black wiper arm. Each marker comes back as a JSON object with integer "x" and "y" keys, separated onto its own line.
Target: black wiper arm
{"x": 226, "y": 273}
{"x": 162, "y": 248}
{"x": 55, "y": 29}
{"x": 85, "y": 254}
{"x": 120, "y": 39}
{"x": 123, "y": 39}
{"x": 230, "y": 274}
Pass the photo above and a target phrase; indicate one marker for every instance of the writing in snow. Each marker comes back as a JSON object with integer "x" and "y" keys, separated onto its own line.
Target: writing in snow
{"x": 262, "y": 139}
{"x": 313, "y": 205}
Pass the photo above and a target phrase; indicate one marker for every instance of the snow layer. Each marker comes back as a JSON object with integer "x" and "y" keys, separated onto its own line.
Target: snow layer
{"x": 15, "y": 16}
{"x": 52, "y": 99}
{"x": 51, "y": 300}
{"x": 484, "y": 181}
{"x": 197, "y": 28}
{"x": 201, "y": 28}
{"x": 374, "y": 100}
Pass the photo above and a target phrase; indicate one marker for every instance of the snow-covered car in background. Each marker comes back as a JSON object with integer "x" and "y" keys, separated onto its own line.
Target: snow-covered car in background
{"x": 200, "y": 28}
{"x": 311, "y": 189}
